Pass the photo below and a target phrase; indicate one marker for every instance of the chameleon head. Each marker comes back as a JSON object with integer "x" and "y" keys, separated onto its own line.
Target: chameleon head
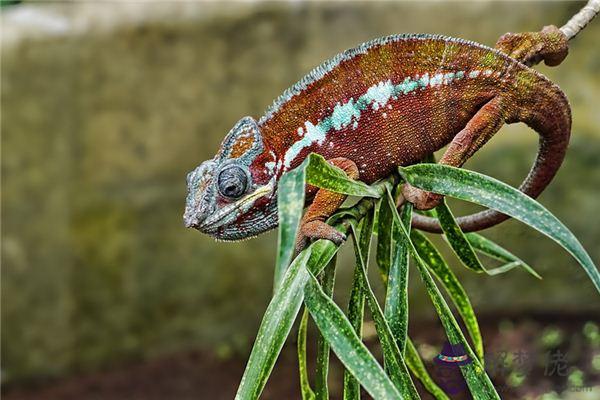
{"x": 232, "y": 196}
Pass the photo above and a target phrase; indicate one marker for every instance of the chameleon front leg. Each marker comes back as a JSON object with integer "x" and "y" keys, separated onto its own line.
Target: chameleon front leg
{"x": 484, "y": 124}
{"x": 324, "y": 204}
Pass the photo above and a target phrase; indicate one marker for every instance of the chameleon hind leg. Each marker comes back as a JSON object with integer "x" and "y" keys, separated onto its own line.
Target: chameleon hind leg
{"x": 484, "y": 124}
{"x": 325, "y": 203}
{"x": 549, "y": 45}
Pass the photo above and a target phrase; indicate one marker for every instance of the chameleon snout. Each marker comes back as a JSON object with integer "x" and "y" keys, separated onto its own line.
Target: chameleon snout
{"x": 194, "y": 217}
{"x": 200, "y": 195}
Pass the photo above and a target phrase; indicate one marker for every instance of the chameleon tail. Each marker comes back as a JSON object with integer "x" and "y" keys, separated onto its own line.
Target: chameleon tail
{"x": 546, "y": 110}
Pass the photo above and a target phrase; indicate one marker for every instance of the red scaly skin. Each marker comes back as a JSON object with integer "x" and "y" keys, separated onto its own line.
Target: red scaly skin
{"x": 392, "y": 102}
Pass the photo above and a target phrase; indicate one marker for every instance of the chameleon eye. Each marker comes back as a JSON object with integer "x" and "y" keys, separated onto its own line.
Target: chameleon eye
{"x": 232, "y": 182}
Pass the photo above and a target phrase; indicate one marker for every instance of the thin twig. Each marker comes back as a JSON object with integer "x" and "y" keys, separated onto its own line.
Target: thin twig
{"x": 581, "y": 19}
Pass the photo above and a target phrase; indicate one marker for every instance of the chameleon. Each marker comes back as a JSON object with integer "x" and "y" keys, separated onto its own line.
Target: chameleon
{"x": 386, "y": 103}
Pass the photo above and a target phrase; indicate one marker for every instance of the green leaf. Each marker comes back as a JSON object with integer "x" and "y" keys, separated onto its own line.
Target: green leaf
{"x": 456, "y": 238}
{"x": 396, "y": 301}
{"x": 491, "y": 193}
{"x": 461, "y": 244}
{"x": 275, "y": 328}
{"x": 357, "y": 303}
{"x": 394, "y": 360}
{"x": 355, "y": 315}
{"x": 279, "y": 317}
{"x": 322, "y": 174}
{"x": 479, "y": 383}
{"x": 287, "y": 299}
{"x": 442, "y": 271}
{"x": 494, "y": 250}
{"x": 315, "y": 171}
{"x": 385, "y": 226}
{"x": 414, "y": 362}
{"x": 290, "y": 204}
{"x": 504, "y": 268}
{"x": 348, "y": 347}
{"x": 327, "y": 278}
{"x": 306, "y": 391}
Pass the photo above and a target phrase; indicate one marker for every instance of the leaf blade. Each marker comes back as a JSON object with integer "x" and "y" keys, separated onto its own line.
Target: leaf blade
{"x": 280, "y": 315}
{"x": 457, "y": 240}
{"x": 477, "y": 379}
{"x": 290, "y": 204}
{"x": 396, "y": 301}
{"x": 394, "y": 360}
{"x": 385, "y": 227}
{"x": 305, "y": 389}
{"x": 322, "y": 174}
{"x": 414, "y": 362}
{"x": 489, "y": 192}
{"x": 357, "y": 304}
{"x": 321, "y": 387}
{"x": 492, "y": 249}
{"x": 451, "y": 284}
{"x": 274, "y": 329}
{"x": 346, "y": 344}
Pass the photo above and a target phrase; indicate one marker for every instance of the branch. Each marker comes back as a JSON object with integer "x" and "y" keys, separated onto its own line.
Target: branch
{"x": 581, "y": 19}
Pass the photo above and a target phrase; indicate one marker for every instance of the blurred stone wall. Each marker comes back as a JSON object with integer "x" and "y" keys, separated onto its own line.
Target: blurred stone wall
{"x": 101, "y": 122}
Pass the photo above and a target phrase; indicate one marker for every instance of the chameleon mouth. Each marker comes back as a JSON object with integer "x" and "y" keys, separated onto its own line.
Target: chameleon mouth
{"x": 231, "y": 212}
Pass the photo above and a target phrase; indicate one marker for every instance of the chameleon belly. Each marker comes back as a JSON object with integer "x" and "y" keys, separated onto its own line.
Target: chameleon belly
{"x": 386, "y": 103}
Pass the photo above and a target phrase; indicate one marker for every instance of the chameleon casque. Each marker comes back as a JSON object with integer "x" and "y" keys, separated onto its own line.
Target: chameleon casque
{"x": 388, "y": 102}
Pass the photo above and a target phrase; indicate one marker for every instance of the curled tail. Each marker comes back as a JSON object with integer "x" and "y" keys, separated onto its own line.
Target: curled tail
{"x": 545, "y": 109}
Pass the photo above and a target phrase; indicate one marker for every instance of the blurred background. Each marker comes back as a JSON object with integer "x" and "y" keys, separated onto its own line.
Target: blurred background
{"x": 105, "y": 108}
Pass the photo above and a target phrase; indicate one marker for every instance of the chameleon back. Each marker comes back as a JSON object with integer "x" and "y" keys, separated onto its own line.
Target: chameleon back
{"x": 392, "y": 101}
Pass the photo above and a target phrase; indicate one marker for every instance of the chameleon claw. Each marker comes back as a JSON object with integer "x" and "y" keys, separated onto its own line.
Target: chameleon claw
{"x": 318, "y": 230}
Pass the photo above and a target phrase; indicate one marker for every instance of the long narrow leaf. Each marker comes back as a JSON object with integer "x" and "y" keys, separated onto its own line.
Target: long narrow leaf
{"x": 494, "y": 250}
{"x": 504, "y": 268}
{"x": 491, "y": 193}
{"x": 315, "y": 171}
{"x": 321, "y": 388}
{"x": 290, "y": 281}
{"x": 279, "y": 317}
{"x": 275, "y": 328}
{"x": 385, "y": 226}
{"x": 396, "y": 301}
{"x": 461, "y": 245}
{"x": 357, "y": 303}
{"x": 322, "y": 174}
{"x": 355, "y": 315}
{"x": 305, "y": 390}
{"x": 414, "y": 362}
{"x": 290, "y": 204}
{"x": 456, "y": 238}
{"x": 348, "y": 347}
{"x": 442, "y": 271}
{"x": 394, "y": 359}
{"x": 479, "y": 383}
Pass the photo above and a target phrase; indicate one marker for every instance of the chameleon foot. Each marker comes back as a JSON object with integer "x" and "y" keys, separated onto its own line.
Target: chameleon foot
{"x": 318, "y": 230}
{"x": 421, "y": 199}
{"x": 549, "y": 45}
